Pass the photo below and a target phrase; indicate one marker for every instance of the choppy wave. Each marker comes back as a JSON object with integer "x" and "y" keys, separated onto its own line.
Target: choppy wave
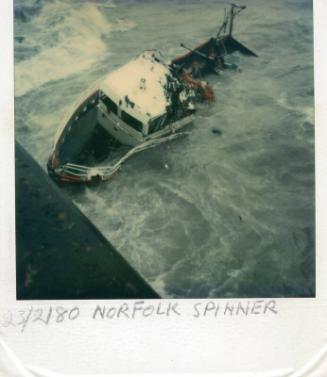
{"x": 72, "y": 41}
{"x": 71, "y": 29}
{"x": 25, "y": 10}
{"x": 306, "y": 111}
{"x": 229, "y": 214}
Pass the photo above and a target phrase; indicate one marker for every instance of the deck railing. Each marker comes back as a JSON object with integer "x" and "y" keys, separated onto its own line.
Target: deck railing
{"x": 88, "y": 173}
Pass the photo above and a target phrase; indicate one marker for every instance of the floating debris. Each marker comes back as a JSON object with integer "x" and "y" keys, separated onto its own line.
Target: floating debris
{"x": 217, "y": 131}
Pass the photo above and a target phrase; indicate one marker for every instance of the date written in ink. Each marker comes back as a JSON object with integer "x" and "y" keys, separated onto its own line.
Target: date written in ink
{"x": 23, "y": 318}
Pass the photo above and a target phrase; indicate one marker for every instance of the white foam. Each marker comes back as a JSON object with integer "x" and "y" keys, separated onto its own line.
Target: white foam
{"x": 159, "y": 285}
{"x": 123, "y": 25}
{"x": 79, "y": 45}
{"x": 306, "y": 111}
{"x": 108, "y": 4}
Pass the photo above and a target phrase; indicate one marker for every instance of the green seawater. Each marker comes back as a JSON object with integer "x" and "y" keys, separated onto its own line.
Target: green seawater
{"x": 209, "y": 215}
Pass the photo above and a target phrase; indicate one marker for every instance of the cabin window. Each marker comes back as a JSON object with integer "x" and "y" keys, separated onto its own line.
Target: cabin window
{"x": 111, "y": 106}
{"x": 157, "y": 123}
{"x": 131, "y": 121}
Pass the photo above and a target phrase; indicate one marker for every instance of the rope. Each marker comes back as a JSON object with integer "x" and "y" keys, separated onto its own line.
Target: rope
{"x": 86, "y": 173}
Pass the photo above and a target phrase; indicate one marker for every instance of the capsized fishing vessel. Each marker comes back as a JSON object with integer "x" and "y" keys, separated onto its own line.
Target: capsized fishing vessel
{"x": 142, "y": 104}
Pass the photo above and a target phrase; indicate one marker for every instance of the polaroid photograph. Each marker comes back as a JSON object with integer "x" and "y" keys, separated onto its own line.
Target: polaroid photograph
{"x": 163, "y": 184}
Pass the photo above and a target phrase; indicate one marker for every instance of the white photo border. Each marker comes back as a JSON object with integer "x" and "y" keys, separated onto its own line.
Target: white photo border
{"x": 292, "y": 343}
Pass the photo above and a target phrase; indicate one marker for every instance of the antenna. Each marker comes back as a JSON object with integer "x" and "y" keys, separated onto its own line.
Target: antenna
{"x": 229, "y": 19}
{"x": 223, "y": 25}
{"x": 234, "y": 11}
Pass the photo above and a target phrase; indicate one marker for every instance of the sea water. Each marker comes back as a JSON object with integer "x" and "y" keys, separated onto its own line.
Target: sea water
{"x": 225, "y": 214}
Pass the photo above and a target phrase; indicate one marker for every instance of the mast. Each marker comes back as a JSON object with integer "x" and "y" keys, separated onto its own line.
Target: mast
{"x": 223, "y": 25}
{"x": 229, "y": 19}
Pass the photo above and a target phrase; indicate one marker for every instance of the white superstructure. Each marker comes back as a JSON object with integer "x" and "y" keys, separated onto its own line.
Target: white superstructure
{"x": 138, "y": 87}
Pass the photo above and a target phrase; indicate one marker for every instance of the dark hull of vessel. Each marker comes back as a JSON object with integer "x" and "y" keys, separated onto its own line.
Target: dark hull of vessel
{"x": 209, "y": 56}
